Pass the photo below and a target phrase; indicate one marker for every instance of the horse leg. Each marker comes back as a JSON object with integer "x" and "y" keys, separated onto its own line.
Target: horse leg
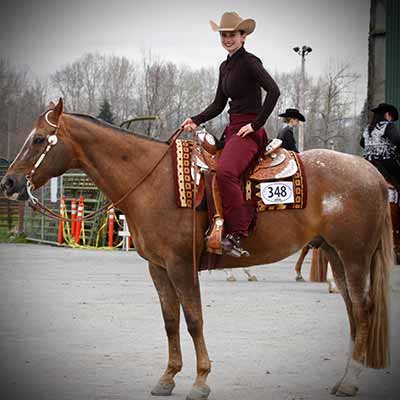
{"x": 343, "y": 387}
{"x": 332, "y": 288}
{"x": 299, "y": 263}
{"x": 357, "y": 286}
{"x": 189, "y": 296}
{"x": 170, "y": 310}
{"x": 229, "y": 274}
{"x": 250, "y": 277}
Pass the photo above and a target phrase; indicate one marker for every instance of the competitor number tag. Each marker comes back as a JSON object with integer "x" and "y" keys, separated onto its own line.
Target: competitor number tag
{"x": 277, "y": 192}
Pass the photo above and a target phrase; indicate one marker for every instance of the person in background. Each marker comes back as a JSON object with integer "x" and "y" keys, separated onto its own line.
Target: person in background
{"x": 291, "y": 118}
{"x": 381, "y": 143}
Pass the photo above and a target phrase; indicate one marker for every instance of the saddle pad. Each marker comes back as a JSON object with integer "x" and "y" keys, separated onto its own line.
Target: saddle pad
{"x": 184, "y": 186}
{"x": 253, "y": 190}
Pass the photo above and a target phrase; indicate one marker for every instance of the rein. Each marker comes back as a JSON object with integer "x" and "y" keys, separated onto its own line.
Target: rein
{"x": 36, "y": 205}
{"x": 52, "y": 140}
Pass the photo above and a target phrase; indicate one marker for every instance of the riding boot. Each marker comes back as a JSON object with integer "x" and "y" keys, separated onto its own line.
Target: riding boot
{"x": 231, "y": 246}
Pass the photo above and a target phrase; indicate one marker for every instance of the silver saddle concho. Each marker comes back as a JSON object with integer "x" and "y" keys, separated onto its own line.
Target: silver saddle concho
{"x": 207, "y": 142}
{"x": 275, "y": 164}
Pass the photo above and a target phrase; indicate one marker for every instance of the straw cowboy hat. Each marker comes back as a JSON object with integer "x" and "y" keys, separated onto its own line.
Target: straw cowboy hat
{"x": 231, "y": 21}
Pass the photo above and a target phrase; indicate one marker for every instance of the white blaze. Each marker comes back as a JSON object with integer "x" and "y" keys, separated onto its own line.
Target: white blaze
{"x": 24, "y": 150}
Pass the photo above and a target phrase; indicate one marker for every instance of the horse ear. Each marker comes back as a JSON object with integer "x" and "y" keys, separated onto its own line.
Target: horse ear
{"x": 51, "y": 106}
{"x": 58, "y": 109}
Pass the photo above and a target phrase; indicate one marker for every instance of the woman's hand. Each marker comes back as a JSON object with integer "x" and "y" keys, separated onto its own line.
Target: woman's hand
{"x": 188, "y": 125}
{"x": 245, "y": 130}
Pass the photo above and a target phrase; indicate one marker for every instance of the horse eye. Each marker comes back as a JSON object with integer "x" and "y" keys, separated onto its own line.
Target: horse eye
{"x": 39, "y": 140}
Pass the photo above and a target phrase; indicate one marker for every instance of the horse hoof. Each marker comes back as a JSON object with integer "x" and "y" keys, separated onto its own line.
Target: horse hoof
{"x": 199, "y": 393}
{"x": 231, "y": 278}
{"x": 252, "y": 278}
{"x": 299, "y": 279}
{"x": 345, "y": 390}
{"x": 163, "y": 389}
{"x": 332, "y": 288}
{"x": 335, "y": 388}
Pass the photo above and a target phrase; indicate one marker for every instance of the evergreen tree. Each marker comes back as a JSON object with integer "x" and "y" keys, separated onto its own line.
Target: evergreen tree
{"x": 105, "y": 112}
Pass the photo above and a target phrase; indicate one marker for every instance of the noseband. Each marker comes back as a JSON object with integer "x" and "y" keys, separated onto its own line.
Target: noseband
{"x": 52, "y": 140}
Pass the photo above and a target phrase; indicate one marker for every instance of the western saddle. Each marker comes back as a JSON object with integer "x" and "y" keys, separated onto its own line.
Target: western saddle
{"x": 276, "y": 163}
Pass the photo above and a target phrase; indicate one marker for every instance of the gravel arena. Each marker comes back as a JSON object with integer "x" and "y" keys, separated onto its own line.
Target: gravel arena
{"x": 86, "y": 325}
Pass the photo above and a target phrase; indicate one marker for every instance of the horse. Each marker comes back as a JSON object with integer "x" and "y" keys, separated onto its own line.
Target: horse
{"x": 347, "y": 213}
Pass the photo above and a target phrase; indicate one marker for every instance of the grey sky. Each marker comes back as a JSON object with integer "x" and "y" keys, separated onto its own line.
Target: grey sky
{"x": 46, "y": 34}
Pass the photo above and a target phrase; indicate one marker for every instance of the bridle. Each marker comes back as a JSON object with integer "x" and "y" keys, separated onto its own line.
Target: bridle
{"x": 52, "y": 140}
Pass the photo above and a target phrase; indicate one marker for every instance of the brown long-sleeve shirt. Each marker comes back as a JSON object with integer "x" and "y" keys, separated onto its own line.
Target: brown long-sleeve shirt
{"x": 241, "y": 77}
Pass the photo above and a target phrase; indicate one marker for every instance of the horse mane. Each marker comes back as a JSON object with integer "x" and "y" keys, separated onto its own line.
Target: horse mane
{"x": 116, "y": 128}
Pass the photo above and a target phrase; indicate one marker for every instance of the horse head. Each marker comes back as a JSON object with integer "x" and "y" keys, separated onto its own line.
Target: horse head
{"x": 46, "y": 153}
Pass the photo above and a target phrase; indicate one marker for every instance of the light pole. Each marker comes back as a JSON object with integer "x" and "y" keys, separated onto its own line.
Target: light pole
{"x": 8, "y": 144}
{"x": 303, "y": 51}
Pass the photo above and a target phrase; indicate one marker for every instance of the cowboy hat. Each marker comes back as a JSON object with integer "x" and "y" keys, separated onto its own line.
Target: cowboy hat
{"x": 232, "y": 21}
{"x": 293, "y": 113}
{"x": 384, "y": 108}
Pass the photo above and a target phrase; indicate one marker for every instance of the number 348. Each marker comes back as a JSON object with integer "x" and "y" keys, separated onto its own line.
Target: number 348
{"x": 277, "y": 191}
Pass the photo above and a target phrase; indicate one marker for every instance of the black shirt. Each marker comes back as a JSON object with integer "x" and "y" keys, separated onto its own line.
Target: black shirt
{"x": 241, "y": 77}
{"x": 287, "y": 137}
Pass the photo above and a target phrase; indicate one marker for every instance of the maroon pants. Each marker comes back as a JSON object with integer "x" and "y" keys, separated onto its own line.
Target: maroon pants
{"x": 238, "y": 155}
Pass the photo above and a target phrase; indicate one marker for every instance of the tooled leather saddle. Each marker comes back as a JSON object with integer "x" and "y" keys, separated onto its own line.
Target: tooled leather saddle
{"x": 276, "y": 163}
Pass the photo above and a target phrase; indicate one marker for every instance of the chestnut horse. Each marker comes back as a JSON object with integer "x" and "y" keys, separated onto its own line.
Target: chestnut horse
{"x": 347, "y": 214}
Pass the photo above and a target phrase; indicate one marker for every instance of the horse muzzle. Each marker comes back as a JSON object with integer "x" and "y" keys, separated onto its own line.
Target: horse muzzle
{"x": 14, "y": 187}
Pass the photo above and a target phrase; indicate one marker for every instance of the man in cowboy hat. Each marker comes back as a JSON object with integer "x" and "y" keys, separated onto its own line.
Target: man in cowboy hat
{"x": 381, "y": 143}
{"x": 291, "y": 117}
{"x": 241, "y": 78}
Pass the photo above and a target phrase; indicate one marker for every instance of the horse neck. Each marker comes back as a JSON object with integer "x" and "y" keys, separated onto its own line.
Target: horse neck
{"x": 113, "y": 160}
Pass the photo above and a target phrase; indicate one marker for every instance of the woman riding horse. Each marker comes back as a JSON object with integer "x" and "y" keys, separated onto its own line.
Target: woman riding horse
{"x": 241, "y": 77}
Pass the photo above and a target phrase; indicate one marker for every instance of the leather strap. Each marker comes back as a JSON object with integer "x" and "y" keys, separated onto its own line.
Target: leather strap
{"x": 42, "y": 209}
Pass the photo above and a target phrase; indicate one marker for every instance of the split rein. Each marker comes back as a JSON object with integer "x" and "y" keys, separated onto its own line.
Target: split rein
{"x": 52, "y": 140}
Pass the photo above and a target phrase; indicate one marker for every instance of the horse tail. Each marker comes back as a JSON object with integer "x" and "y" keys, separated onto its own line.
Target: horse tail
{"x": 378, "y": 353}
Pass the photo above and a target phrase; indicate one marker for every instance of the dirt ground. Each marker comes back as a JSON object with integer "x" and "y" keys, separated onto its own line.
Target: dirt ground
{"x": 83, "y": 325}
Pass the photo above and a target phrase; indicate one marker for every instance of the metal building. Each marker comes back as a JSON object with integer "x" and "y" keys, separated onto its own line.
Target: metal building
{"x": 384, "y": 53}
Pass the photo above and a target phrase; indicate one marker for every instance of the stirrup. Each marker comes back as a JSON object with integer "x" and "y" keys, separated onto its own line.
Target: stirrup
{"x": 231, "y": 246}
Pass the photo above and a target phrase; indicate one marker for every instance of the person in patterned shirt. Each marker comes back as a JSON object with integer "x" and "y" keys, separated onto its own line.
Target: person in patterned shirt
{"x": 381, "y": 143}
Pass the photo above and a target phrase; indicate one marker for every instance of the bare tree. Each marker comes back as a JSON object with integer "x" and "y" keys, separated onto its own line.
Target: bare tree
{"x": 20, "y": 102}
{"x": 335, "y": 106}
{"x": 119, "y": 85}
{"x": 91, "y": 70}
{"x": 151, "y": 86}
{"x": 70, "y": 83}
